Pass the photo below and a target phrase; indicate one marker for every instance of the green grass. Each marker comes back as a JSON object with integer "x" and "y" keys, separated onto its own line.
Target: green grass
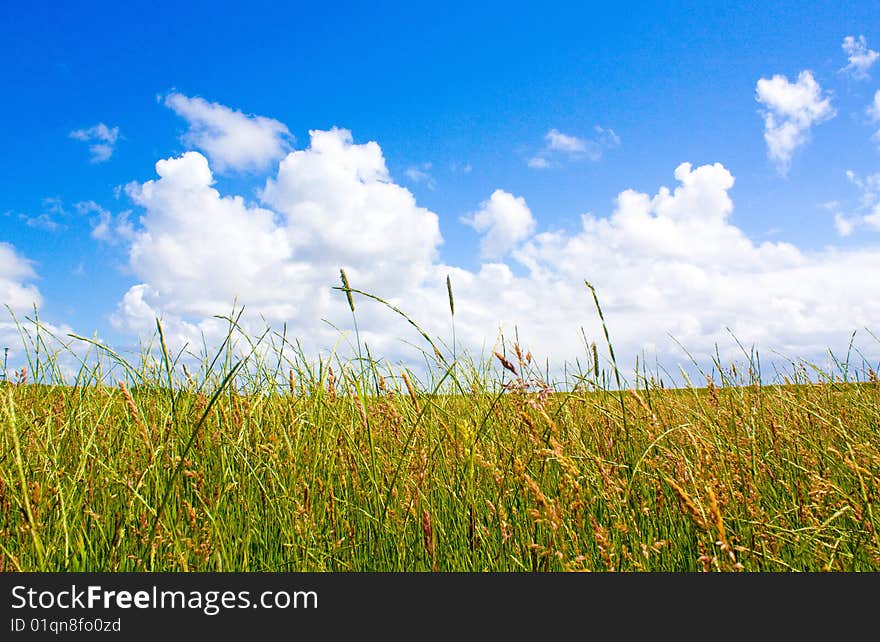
{"x": 475, "y": 466}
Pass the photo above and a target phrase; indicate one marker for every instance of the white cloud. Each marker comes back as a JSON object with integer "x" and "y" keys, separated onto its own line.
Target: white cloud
{"x": 668, "y": 263}
{"x": 843, "y": 225}
{"x": 874, "y": 108}
{"x": 865, "y": 213}
{"x": 874, "y": 114}
{"x": 49, "y": 219}
{"x": 21, "y": 295}
{"x": 557, "y": 141}
{"x": 860, "y": 57}
{"x": 199, "y": 249}
{"x": 15, "y": 273}
{"x": 340, "y": 207}
{"x": 16, "y": 291}
{"x": 791, "y": 110}
{"x": 572, "y": 147}
{"x": 607, "y": 138}
{"x": 102, "y": 138}
{"x": 504, "y": 220}
{"x": 419, "y": 174}
{"x": 333, "y": 205}
{"x": 231, "y": 139}
{"x": 673, "y": 263}
{"x": 538, "y": 162}
{"x": 868, "y": 209}
{"x": 105, "y": 226}
{"x": 42, "y": 221}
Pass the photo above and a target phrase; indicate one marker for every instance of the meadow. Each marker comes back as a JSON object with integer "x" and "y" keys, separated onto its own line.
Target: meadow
{"x": 278, "y": 462}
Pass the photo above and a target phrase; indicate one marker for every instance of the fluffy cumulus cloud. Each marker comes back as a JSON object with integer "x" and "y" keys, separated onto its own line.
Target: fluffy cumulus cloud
{"x": 667, "y": 264}
{"x": 201, "y": 249}
{"x": 790, "y": 110}
{"x": 331, "y": 205}
{"x": 231, "y": 139}
{"x": 503, "y": 221}
{"x": 860, "y": 58}
{"x": 101, "y": 139}
{"x": 559, "y": 145}
{"x": 339, "y": 206}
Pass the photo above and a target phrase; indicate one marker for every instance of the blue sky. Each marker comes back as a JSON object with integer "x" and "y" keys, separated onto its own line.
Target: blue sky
{"x": 460, "y": 99}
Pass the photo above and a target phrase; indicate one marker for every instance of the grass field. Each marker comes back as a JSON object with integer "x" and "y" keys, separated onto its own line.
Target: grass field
{"x": 471, "y": 466}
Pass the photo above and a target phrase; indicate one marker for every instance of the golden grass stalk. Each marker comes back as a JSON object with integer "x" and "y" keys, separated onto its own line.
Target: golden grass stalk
{"x": 136, "y": 417}
{"x": 504, "y": 362}
{"x": 604, "y": 543}
{"x": 411, "y": 391}
{"x": 719, "y": 526}
{"x": 688, "y": 505}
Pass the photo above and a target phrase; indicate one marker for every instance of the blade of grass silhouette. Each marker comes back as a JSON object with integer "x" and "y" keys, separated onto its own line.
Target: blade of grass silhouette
{"x": 136, "y": 376}
{"x": 613, "y": 360}
{"x": 848, "y": 355}
{"x": 36, "y": 368}
{"x": 400, "y": 312}
{"x": 192, "y": 438}
{"x": 167, "y": 359}
{"x": 226, "y": 339}
{"x": 53, "y": 356}
{"x": 22, "y": 333}
{"x": 350, "y": 299}
{"x": 253, "y": 345}
{"x": 748, "y": 354}
{"x": 452, "y": 313}
{"x": 279, "y": 351}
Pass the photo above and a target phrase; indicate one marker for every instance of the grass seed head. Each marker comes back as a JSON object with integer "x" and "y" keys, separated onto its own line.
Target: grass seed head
{"x": 688, "y": 505}
{"x": 411, "y": 391}
{"x": 595, "y": 361}
{"x": 347, "y": 287}
{"x": 504, "y": 362}
{"x": 449, "y": 292}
